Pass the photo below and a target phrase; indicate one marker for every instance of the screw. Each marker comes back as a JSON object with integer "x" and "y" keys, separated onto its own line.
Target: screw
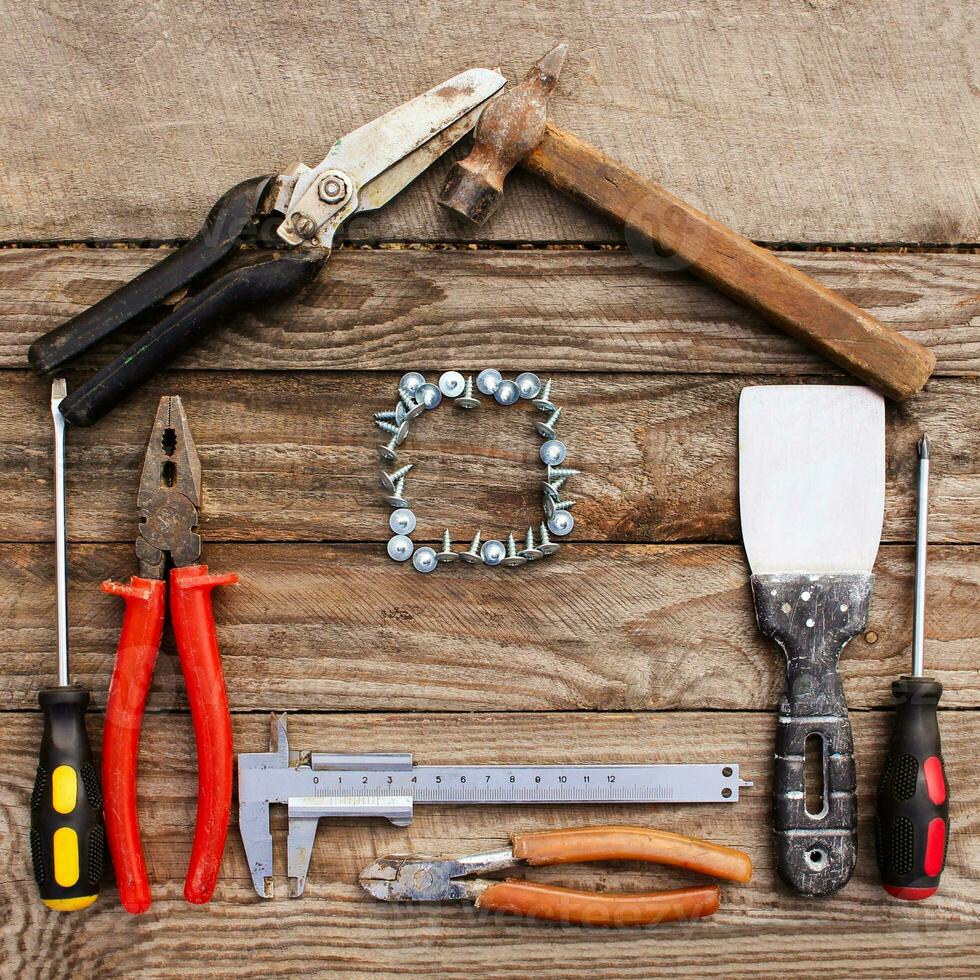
{"x": 451, "y": 384}
{"x": 547, "y": 429}
{"x": 400, "y": 547}
{"x": 402, "y": 521}
{"x": 466, "y": 400}
{"x": 493, "y": 552}
{"x": 553, "y": 452}
{"x": 513, "y": 559}
{"x": 487, "y": 380}
{"x": 447, "y": 553}
{"x": 551, "y": 489}
{"x": 560, "y": 471}
{"x": 397, "y": 432}
{"x": 413, "y": 408}
{"x": 388, "y": 452}
{"x": 396, "y": 498}
{"x": 304, "y": 225}
{"x": 425, "y": 560}
{"x": 528, "y": 384}
{"x": 562, "y": 523}
{"x": 388, "y": 480}
{"x": 530, "y": 552}
{"x": 547, "y": 546}
{"x": 552, "y": 507}
{"x": 412, "y": 381}
{"x": 543, "y": 402}
{"x": 506, "y": 393}
{"x": 333, "y": 189}
{"x": 387, "y": 417}
{"x": 429, "y": 396}
{"x": 472, "y": 557}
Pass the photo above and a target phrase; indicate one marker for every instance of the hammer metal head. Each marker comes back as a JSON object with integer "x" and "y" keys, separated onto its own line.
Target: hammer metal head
{"x": 509, "y": 129}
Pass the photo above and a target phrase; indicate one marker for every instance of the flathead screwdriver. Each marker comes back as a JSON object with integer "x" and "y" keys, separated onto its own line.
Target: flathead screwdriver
{"x": 912, "y": 824}
{"x": 67, "y": 836}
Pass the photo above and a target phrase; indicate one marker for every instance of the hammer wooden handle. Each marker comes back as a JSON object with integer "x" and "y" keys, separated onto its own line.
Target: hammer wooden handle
{"x": 845, "y": 334}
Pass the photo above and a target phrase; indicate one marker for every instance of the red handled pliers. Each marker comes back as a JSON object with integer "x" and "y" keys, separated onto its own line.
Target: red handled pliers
{"x": 168, "y": 501}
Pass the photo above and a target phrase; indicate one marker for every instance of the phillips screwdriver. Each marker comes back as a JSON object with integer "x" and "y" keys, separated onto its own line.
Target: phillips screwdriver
{"x": 67, "y": 836}
{"x": 912, "y": 825}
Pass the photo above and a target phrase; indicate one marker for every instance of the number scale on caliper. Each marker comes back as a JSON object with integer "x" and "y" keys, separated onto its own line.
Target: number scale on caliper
{"x": 315, "y": 784}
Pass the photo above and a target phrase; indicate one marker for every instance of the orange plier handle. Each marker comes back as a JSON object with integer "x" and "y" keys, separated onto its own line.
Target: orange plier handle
{"x": 197, "y": 646}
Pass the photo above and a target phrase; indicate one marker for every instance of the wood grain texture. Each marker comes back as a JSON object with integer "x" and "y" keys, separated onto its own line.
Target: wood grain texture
{"x": 292, "y": 456}
{"x": 555, "y": 310}
{"x": 759, "y": 931}
{"x": 788, "y": 122}
{"x": 341, "y": 628}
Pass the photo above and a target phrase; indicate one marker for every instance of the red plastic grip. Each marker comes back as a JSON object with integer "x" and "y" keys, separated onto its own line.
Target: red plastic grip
{"x": 197, "y": 645}
{"x": 139, "y": 644}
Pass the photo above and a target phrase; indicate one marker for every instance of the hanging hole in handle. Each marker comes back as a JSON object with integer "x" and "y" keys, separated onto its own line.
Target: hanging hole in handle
{"x": 814, "y": 798}
{"x": 816, "y": 858}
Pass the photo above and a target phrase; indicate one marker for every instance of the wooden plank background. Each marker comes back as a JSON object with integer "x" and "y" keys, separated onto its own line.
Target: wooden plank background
{"x": 798, "y": 124}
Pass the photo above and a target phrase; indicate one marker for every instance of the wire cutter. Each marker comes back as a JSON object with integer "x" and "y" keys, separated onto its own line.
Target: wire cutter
{"x": 418, "y": 879}
{"x": 291, "y": 217}
{"x": 168, "y": 501}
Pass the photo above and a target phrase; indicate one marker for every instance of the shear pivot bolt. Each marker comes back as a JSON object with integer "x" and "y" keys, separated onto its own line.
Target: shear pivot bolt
{"x": 304, "y": 225}
{"x": 332, "y": 190}
{"x": 425, "y": 560}
{"x": 400, "y": 547}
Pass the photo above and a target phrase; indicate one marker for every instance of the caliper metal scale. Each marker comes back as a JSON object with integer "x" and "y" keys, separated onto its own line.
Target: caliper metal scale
{"x": 314, "y": 785}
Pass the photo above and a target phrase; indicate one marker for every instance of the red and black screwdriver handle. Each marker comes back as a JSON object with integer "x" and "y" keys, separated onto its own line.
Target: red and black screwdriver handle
{"x": 197, "y": 647}
{"x": 260, "y": 276}
{"x": 912, "y": 823}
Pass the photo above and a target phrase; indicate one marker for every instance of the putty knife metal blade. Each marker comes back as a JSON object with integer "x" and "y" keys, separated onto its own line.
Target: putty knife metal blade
{"x": 811, "y": 501}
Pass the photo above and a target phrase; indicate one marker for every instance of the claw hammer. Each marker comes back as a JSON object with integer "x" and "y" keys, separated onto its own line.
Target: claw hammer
{"x": 513, "y": 129}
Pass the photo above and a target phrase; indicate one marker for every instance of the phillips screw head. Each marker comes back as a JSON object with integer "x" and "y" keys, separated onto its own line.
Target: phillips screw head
{"x": 452, "y": 384}
{"x": 493, "y": 552}
{"x": 400, "y": 547}
{"x": 472, "y": 556}
{"x": 513, "y": 559}
{"x": 553, "y": 452}
{"x": 506, "y": 393}
{"x": 488, "y": 379}
{"x": 543, "y": 402}
{"x": 530, "y": 552}
{"x": 425, "y": 560}
{"x": 562, "y": 523}
{"x": 412, "y": 381}
{"x": 447, "y": 554}
{"x": 402, "y": 521}
{"x": 528, "y": 384}
{"x": 466, "y": 400}
{"x": 429, "y": 396}
{"x": 547, "y": 546}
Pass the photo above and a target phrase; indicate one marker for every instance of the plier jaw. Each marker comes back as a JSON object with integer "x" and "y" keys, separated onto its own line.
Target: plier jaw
{"x": 416, "y": 879}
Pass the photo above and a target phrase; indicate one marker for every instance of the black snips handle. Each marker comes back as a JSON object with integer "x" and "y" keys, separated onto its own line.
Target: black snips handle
{"x": 275, "y": 274}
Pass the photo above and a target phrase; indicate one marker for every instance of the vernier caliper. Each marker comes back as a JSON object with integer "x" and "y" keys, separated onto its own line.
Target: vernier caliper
{"x": 322, "y": 784}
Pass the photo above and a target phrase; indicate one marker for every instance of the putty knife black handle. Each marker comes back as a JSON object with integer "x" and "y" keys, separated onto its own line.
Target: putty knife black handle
{"x": 812, "y": 617}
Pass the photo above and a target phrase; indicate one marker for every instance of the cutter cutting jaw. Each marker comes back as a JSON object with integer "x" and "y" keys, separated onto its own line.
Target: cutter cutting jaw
{"x": 418, "y": 879}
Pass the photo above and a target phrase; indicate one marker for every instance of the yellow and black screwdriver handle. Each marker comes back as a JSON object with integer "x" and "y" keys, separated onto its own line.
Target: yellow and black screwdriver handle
{"x": 67, "y": 836}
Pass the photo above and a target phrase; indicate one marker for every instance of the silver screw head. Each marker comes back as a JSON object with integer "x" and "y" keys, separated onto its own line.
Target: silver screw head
{"x": 412, "y": 381}
{"x": 425, "y": 560}
{"x": 400, "y": 547}
{"x": 562, "y": 523}
{"x": 507, "y": 393}
{"x": 411, "y": 409}
{"x": 543, "y": 402}
{"x": 446, "y": 553}
{"x": 333, "y": 189}
{"x": 466, "y": 400}
{"x": 493, "y": 552}
{"x": 528, "y": 384}
{"x": 451, "y": 384}
{"x": 304, "y": 225}
{"x": 472, "y": 555}
{"x": 550, "y": 491}
{"x": 402, "y": 521}
{"x": 531, "y": 552}
{"x": 547, "y": 546}
{"x": 429, "y": 395}
{"x": 513, "y": 559}
{"x": 553, "y": 452}
{"x": 388, "y": 452}
{"x": 401, "y": 413}
{"x": 488, "y": 379}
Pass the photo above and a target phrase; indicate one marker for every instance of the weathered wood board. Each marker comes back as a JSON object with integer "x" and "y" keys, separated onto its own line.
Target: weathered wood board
{"x": 789, "y": 121}
{"x": 338, "y": 930}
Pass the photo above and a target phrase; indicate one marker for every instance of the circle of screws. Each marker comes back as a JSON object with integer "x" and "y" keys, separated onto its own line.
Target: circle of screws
{"x": 416, "y": 395}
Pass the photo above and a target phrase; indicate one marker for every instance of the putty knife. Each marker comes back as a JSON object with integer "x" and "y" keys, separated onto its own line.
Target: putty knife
{"x": 811, "y": 474}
